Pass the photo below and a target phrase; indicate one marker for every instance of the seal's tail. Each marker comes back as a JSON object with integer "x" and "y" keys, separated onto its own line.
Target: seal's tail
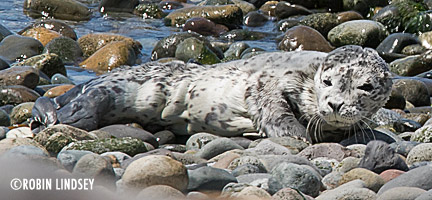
{"x": 44, "y": 114}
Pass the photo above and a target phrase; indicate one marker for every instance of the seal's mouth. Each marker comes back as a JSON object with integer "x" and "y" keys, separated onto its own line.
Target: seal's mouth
{"x": 338, "y": 123}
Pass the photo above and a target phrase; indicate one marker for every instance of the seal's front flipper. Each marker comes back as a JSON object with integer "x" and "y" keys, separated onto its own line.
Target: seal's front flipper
{"x": 44, "y": 114}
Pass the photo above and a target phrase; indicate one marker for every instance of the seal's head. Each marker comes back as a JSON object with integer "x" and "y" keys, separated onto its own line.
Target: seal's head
{"x": 351, "y": 84}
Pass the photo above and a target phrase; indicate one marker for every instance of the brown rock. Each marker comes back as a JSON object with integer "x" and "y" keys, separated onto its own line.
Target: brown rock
{"x": 329, "y": 150}
{"x": 304, "y": 38}
{"x": 57, "y": 91}
{"x": 269, "y": 8}
{"x": 8, "y": 143}
{"x": 25, "y": 76}
{"x": 348, "y": 16}
{"x": 90, "y": 43}
{"x": 114, "y": 54}
{"x": 160, "y": 192}
{"x": 42, "y": 34}
{"x": 390, "y": 174}
{"x": 373, "y": 181}
{"x": 288, "y": 194}
{"x": 54, "y": 25}
{"x": 17, "y": 94}
{"x": 225, "y": 161}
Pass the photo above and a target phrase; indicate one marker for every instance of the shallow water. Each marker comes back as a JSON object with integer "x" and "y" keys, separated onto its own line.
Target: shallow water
{"x": 147, "y": 31}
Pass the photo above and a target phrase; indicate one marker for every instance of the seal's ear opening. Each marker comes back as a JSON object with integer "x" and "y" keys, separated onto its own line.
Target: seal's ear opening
{"x": 43, "y": 115}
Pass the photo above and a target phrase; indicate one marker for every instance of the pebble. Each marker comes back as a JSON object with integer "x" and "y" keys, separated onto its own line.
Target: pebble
{"x": 354, "y": 190}
{"x": 255, "y": 19}
{"x": 22, "y": 75}
{"x": 251, "y": 192}
{"x": 204, "y": 26}
{"x": 246, "y": 169}
{"x": 21, "y": 113}
{"x": 21, "y": 132}
{"x": 401, "y": 193}
{"x": 117, "y": 5}
{"x": 58, "y": 90}
{"x": 47, "y": 63}
{"x": 288, "y": 194}
{"x": 195, "y": 49}
{"x": 390, "y": 174}
{"x": 302, "y": 37}
{"x": 109, "y": 57}
{"x": 366, "y": 33}
{"x": 420, "y": 153}
{"x": 17, "y": 94}
{"x": 379, "y": 156}
{"x": 165, "y": 137}
{"x": 8, "y": 143}
{"x": 66, "y": 130}
{"x": 67, "y": 49}
{"x": 425, "y": 196}
{"x": 268, "y": 8}
{"x": 412, "y": 65}
{"x": 216, "y": 147}
{"x": 228, "y": 15}
{"x": 130, "y": 146}
{"x": 17, "y": 48}
{"x": 4, "y": 121}
{"x": 155, "y": 170}
{"x": 391, "y": 47}
{"x": 121, "y": 131}
{"x": 68, "y": 158}
{"x": 120, "y": 157}
{"x": 58, "y": 9}
{"x": 284, "y": 10}
{"x": 91, "y": 43}
{"x": 209, "y": 179}
{"x": 267, "y": 147}
{"x": 95, "y": 166}
{"x": 329, "y": 150}
{"x": 199, "y": 140}
{"x": 224, "y": 159}
{"x": 243, "y": 160}
{"x": 420, "y": 177}
{"x": 41, "y": 34}
{"x": 295, "y": 176}
{"x": 414, "y": 91}
{"x": 149, "y": 11}
{"x": 160, "y": 192}
{"x": 54, "y": 25}
{"x": 372, "y": 180}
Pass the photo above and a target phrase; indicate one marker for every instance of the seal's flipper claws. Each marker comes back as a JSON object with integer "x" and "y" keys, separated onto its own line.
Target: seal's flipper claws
{"x": 43, "y": 114}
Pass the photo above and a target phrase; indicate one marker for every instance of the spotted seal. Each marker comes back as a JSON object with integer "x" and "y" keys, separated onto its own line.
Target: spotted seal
{"x": 275, "y": 94}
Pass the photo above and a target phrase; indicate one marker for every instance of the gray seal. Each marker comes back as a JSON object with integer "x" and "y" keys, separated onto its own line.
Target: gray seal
{"x": 313, "y": 95}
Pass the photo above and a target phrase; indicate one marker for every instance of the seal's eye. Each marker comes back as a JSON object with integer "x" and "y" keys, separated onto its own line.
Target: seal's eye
{"x": 327, "y": 83}
{"x": 366, "y": 87}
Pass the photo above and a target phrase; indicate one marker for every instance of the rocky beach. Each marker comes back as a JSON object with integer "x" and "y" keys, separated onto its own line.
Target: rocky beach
{"x": 48, "y": 47}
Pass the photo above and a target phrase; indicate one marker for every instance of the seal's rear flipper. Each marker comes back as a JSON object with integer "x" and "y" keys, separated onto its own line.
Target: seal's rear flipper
{"x": 44, "y": 114}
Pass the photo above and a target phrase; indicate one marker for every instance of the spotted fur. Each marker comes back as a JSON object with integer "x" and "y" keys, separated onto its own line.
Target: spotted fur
{"x": 275, "y": 94}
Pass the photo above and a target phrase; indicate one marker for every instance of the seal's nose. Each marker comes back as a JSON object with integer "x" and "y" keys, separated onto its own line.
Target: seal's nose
{"x": 335, "y": 106}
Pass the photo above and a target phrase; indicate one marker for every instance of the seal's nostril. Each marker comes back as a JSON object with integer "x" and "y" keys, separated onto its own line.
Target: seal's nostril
{"x": 335, "y": 107}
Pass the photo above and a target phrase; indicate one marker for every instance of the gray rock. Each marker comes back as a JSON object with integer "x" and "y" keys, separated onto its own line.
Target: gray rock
{"x": 216, "y": 147}
{"x": 246, "y": 169}
{"x": 267, "y": 147}
{"x": 358, "y": 32}
{"x": 209, "y": 178}
{"x": 425, "y": 196}
{"x": 391, "y": 47}
{"x": 4, "y": 120}
{"x": 271, "y": 161}
{"x": 253, "y": 177}
{"x": 329, "y": 150}
{"x": 120, "y": 156}
{"x": 160, "y": 192}
{"x": 204, "y": 27}
{"x": 21, "y": 132}
{"x": 21, "y": 113}
{"x": 26, "y": 150}
{"x": 414, "y": 91}
{"x": 199, "y": 140}
{"x": 403, "y": 147}
{"x": 284, "y": 10}
{"x": 163, "y": 152}
{"x": 4, "y": 32}
{"x": 401, "y": 193}
{"x": 242, "y": 141}
{"x": 25, "y": 76}
{"x": 97, "y": 167}
{"x": 117, "y": 5}
{"x": 59, "y": 9}
{"x": 66, "y": 48}
{"x": 61, "y": 79}
{"x": 130, "y": 146}
{"x": 16, "y": 94}
{"x": 195, "y": 49}
{"x": 379, "y": 156}
{"x": 254, "y": 19}
{"x": 420, "y": 177}
{"x": 288, "y": 194}
{"x": 243, "y": 160}
{"x": 412, "y": 65}
{"x": 351, "y": 190}
{"x": 49, "y": 64}
{"x": 68, "y": 158}
{"x": 235, "y": 50}
{"x": 165, "y": 137}
{"x": 121, "y": 131}
{"x": 420, "y": 153}
{"x": 372, "y": 180}
{"x": 17, "y": 48}
{"x": 325, "y": 164}
{"x": 423, "y": 134}
{"x": 295, "y": 176}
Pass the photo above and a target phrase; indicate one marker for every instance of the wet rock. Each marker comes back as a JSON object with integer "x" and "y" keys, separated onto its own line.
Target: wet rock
{"x": 90, "y": 43}
{"x": 358, "y": 32}
{"x": 379, "y": 156}
{"x": 372, "y": 180}
{"x": 21, "y": 113}
{"x": 402, "y": 193}
{"x": 295, "y": 176}
{"x": 164, "y": 137}
{"x": 149, "y": 11}
{"x": 199, "y": 140}
{"x": 3, "y": 64}
{"x": 4, "y": 32}
{"x": 215, "y": 2}
{"x": 155, "y": 170}
{"x": 284, "y": 10}
{"x": 4, "y": 121}
{"x": 167, "y": 46}
{"x": 21, "y": 132}
{"x": 391, "y": 47}
{"x": 352, "y": 190}
{"x": 419, "y": 177}
{"x": 414, "y": 91}
{"x": 68, "y": 158}
{"x": 25, "y": 76}
{"x": 117, "y": 5}
{"x": 304, "y": 38}
{"x": 16, "y": 94}
{"x": 363, "y": 6}
{"x": 235, "y": 50}
{"x": 66, "y": 48}
{"x": 216, "y": 147}
{"x": 396, "y": 100}
{"x": 204, "y": 26}
{"x": 60, "y": 79}
{"x": 421, "y": 152}
{"x": 243, "y": 34}
{"x": 268, "y": 8}
{"x": 329, "y": 150}
{"x": 41, "y": 34}
{"x": 58, "y": 90}
{"x": 130, "y": 146}
{"x": 192, "y": 48}
{"x": 228, "y": 15}
{"x": 245, "y": 6}
{"x": 413, "y": 49}
{"x": 17, "y": 48}
{"x": 170, "y": 5}
{"x": 121, "y": 131}
{"x": 54, "y": 25}
{"x": 48, "y": 63}
{"x": 109, "y": 57}
{"x": 59, "y": 9}
{"x": 412, "y": 65}
{"x": 160, "y": 192}
{"x": 390, "y": 174}
{"x": 209, "y": 179}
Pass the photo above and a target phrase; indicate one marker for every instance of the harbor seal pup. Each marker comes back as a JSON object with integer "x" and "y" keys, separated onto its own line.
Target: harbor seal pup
{"x": 315, "y": 95}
